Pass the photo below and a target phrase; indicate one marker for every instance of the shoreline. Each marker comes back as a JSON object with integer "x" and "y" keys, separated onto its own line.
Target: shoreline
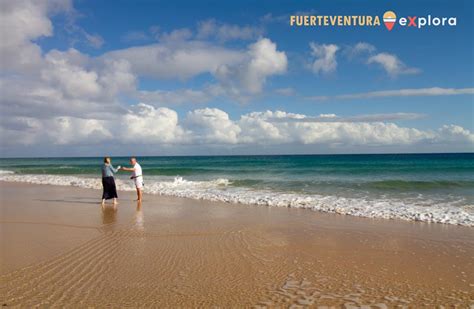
{"x": 211, "y": 190}
{"x": 185, "y": 252}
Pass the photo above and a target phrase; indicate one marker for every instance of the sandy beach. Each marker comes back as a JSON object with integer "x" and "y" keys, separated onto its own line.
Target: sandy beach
{"x": 59, "y": 248}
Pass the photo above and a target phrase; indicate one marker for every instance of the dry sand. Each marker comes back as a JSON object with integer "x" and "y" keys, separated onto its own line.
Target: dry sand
{"x": 59, "y": 248}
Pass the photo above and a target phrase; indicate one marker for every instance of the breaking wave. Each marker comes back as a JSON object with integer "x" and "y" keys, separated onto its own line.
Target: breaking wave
{"x": 221, "y": 189}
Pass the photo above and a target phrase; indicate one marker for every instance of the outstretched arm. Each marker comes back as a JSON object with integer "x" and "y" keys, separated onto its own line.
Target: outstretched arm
{"x": 128, "y": 169}
{"x": 115, "y": 170}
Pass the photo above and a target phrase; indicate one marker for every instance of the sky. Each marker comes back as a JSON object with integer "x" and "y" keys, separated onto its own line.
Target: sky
{"x": 93, "y": 78}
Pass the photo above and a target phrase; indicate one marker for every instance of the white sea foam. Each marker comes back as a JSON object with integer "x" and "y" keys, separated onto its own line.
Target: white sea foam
{"x": 220, "y": 190}
{"x": 3, "y": 172}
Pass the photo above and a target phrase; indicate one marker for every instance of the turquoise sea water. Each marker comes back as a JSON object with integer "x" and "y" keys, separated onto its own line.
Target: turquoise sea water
{"x": 434, "y": 181}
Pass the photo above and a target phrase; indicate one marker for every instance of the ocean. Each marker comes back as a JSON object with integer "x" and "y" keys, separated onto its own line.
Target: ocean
{"x": 416, "y": 187}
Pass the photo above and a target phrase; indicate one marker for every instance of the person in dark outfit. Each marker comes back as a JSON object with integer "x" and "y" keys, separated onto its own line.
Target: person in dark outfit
{"x": 108, "y": 181}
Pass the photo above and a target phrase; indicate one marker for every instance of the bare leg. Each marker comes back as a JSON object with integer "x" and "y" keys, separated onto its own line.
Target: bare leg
{"x": 103, "y": 202}
{"x": 115, "y": 201}
{"x": 139, "y": 194}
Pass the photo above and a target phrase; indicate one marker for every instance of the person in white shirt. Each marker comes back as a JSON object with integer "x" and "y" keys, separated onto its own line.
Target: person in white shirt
{"x": 137, "y": 176}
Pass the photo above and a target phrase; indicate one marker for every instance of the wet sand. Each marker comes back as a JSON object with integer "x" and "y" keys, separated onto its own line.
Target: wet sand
{"x": 59, "y": 248}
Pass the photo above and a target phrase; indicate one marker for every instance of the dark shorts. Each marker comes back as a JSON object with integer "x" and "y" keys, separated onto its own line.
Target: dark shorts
{"x": 110, "y": 191}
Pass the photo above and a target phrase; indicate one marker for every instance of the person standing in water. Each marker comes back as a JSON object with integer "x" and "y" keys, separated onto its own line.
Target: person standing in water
{"x": 137, "y": 176}
{"x": 108, "y": 181}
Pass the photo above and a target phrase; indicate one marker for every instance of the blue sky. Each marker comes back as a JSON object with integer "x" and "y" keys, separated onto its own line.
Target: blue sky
{"x": 306, "y": 71}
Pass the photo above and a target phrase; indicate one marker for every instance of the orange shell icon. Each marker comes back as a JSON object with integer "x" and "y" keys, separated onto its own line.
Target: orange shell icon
{"x": 389, "y": 19}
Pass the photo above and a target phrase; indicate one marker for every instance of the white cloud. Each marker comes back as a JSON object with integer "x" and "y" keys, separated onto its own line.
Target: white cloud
{"x": 142, "y": 124}
{"x": 67, "y": 83}
{"x": 63, "y": 71}
{"x": 146, "y": 125}
{"x": 116, "y": 77}
{"x": 265, "y": 60}
{"x": 71, "y": 130}
{"x": 180, "y": 60}
{"x": 280, "y": 127}
{"x": 239, "y": 73}
{"x": 212, "y": 125}
{"x": 258, "y": 129}
{"x": 227, "y": 32}
{"x": 455, "y": 134}
{"x": 22, "y": 22}
{"x": 391, "y": 64}
{"x": 95, "y": 40}
{"x": 176, "y": 35}
{"x": 434, "y": 91}
{"x": 364, "y": 47}
{"x": 174, "y": 97}
{"x": 78, "y": 76}
{"x": 44, "y": 100}
{"x": 207, "y": 30}
{"x": 325, "y": 58}
{"x": 357, "y": 118}
{"x": 327, "y": 115}
{"x": 61, "y": 130}
{"x": 19, "y": 130}
{"x": 359, "y": 49}
{"x": 248, "y": 78}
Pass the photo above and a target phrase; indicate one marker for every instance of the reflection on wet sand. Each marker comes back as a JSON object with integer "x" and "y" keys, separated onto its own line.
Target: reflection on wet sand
{"x": 109, "y": 215}
{"x": 139, "y": 218}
